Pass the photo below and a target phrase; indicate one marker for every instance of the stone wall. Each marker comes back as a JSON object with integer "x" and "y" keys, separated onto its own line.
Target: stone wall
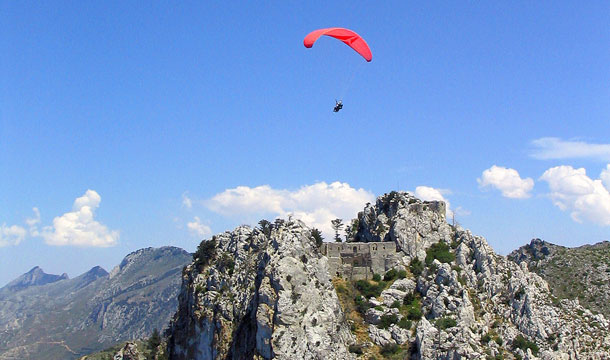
{"x": 357, "y": 261}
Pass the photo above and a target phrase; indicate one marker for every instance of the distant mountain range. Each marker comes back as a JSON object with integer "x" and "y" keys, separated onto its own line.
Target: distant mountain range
{"x": 44, "y": 316}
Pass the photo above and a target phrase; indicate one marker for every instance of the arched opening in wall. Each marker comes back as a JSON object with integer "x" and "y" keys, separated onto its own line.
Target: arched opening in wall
{"x": 356, "y": 263}
{"x": 374, "y": 247}
{"x": 355, "y": 249}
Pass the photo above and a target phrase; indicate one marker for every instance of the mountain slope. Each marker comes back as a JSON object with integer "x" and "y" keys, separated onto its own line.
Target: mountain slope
{"x": 581, "y": 273}
{"x": 73, "y": 317}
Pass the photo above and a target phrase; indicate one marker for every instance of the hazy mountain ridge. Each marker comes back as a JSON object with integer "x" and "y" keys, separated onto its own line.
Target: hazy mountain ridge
{"x": 34, "y": 277}
{"x": 266, "y": 293}
{"x": 73, "y": 317}
{"x": 581, "y": 273}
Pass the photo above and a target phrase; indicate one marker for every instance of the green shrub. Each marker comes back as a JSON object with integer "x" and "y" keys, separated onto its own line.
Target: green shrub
{"x": 361, "y": 304}
{"x": 387, "y": 320}
{"x": 206, "y": 251}
{"x": 265, "y": 227}
{"x": 227, "y": 263}
{"x": 415, "y": 312}
{"x": 402, "y": 274}
{"x": 445, "y": 323}
{"x": 341, "y": 289}
{"x": 356, "y": 349}
{"x": 389, "y": 349}
{"x": 317, "y": 236}
{"x": 408, "y": 300}
{"x": 439, "y": 251}
{"x": 486, "y": 338}
{"x": 153, "y": 342}
{"x": 396, "y": 304}
{"x": 416, "y": 267}
{"x": 414, "y": 309}
{"x": 376, "y": 277}
{"x": 498, "y": 339}
{"x": 522, "y": 343}
{"x": 405, "y": 323}
{"x": 367, "y": 289}
{"x": 390, "y": 275}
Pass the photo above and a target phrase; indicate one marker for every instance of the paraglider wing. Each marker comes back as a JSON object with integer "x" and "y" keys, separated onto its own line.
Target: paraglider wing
{"x": 349, "y": 37}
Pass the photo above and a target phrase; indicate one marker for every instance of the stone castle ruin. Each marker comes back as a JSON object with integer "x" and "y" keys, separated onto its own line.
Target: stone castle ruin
{"x": 358, "y": 260}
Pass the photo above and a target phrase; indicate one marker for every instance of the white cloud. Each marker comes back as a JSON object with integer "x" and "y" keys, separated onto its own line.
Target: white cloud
{"x": 186, "y": 201}
{"x": 460, "y": 211}
{"x": 79, "y": 227}
{"x": 199, "y": 229}
{"x": 427, "y": 193}
{"x": 32, "y": 222}
{"x": 555, "y": 148}
{"x": 11, "y": 235}
{"x": 605, "y": 177}
{"x": 572, "y": 190}
{"x": 507, "y": 181}
{"x": 316, "y": 204}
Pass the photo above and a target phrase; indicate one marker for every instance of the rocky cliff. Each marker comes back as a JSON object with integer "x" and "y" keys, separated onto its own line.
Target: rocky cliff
{"x": 266, "y": 294}
{"x": 581, "y": 273}
{"x": 68, "y": 318}
{"x": 259, "y": 293}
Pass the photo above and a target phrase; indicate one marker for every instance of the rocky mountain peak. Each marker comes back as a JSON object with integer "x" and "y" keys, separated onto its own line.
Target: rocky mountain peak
{"x": 536, "y": 250}
{"x": 35, "y": 277}
{"x": 136, "y": 258}
{"x": 410, "y": 222}
{"x": 93, "y": 274}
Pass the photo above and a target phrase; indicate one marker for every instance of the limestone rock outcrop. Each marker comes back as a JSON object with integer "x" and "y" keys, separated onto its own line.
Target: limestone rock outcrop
{"x": 412, "y": 224}
{"x": 259, "y": 294}
{"x": 474, "y": 303}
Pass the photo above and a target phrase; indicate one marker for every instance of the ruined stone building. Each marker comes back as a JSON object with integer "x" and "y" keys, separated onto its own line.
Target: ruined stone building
{"x": 358, "y": 260}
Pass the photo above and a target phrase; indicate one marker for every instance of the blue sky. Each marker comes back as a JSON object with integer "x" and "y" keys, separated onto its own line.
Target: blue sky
{"x": 124, "y": 122}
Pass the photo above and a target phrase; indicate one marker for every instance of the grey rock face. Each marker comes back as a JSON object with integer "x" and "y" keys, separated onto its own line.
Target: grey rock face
{"x": 262, "y": 296}
{"x": 475, "y": 303}
{"x": 412, "y": 224}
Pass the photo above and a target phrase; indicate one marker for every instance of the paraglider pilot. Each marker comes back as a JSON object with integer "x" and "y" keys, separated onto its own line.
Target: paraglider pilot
{"x": 338, "y": 106}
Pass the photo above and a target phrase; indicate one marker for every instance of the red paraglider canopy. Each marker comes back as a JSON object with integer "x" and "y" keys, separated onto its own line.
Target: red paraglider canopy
{"x": 349, "y": 37}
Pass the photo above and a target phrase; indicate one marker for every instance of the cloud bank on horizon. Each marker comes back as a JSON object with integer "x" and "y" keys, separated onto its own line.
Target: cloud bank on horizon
{"x": 316, "y": 204}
